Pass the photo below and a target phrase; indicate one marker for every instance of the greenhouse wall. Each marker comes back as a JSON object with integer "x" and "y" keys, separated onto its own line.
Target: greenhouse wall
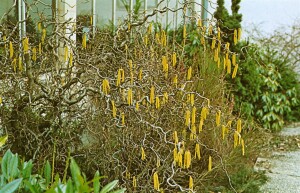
{"x": 107, "y": 12}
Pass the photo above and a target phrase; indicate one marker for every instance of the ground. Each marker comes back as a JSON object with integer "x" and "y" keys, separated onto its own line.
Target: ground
{"x": 281, "y": 161}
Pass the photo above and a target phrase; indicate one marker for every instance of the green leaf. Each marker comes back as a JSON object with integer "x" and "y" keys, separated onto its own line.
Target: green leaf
{"x": 47, "y": 172}
{"x": 30, "y": 187}
{"x": 4, "y": 163}
{"x": 76, "y": 174}
{"x": 12, "y": 186}
{"x": 96, "y": 183}
{"x": 69, "y": 188}
{"x": 27, "y": 168}
{"x": 13, "y": 166}
{"x": 119, "y": 191}
{"x": 3, "y": 140}
{"x": 109, "y": 186}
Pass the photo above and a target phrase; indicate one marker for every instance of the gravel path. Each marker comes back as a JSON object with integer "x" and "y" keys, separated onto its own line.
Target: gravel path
{"x": 282, "y": 168}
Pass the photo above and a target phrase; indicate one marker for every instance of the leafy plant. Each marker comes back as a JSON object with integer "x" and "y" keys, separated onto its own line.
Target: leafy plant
{"x": 16, "y": 175}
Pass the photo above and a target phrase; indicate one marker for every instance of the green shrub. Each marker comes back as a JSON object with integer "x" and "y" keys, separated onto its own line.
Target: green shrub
{"x": 16, "y": 176}
{"x": 266, "y": 89}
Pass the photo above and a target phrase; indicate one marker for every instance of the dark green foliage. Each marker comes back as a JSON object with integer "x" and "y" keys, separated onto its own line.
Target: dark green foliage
{"x": 228, "y": 23}
{"x": 266, "y": 88}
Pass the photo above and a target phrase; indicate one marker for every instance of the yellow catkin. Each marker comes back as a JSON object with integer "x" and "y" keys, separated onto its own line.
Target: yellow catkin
{"x": 235, "y": 71}
{"x": 218, "y": 117}
{"x": 233, "y": 59}
{"x": 149, "y": 30}
{"x": 243, "y": 147}
{"x": 130, "y": 64}
{"x": 66, "y": 53}
{"x": 25, "y": 45}
{"x": 40, "y": 48}
{"x": 192, "y": 99}
{"x": 143, "y": 155}
{"x": 20, "y": 64}
{"x": 228, "y": 64}
{"x": 119, "y": 77}
{"x": 187, "y": 159}
{"x": 224, "y": 63}
{"x": 202, "y": 40}
{"x": 189, "y": 73}
{"x": 179, "y": 159}
{"x": 235, "y": 139}
{"x": 39, "y": 27}
{"x": 175, "y": 155}
{"x": 14, "y": 64}
{"x": 204, "y": 112}
{"x": 105, "y": 86}
{"x": 158, "y": 162}
{"x": 229, "y": 124}
{"x": 194, "y": 115}
{"x": 209, "y": 163}
{"x": 129, "y": 97}
{"x": 152, "y": 94}
{"x": 34, "y": 54}
{"x": 146, "y": 40}
{"x": 165, "y": 65}
{"x": 165, "y": 98}
{"x": 188, "y": 98}
{"x": 137, "y": 106}
{"x": 11, "y": 50}
{"x": 129, "y": 26}
{"x": 157, "y": 102}
{"x": 201, "y": 125}
{"x": 175, "y": 80}
{"x": 227, "y": 46}
{"x": 131, "y": 78}
{"x": 219, "y": 62}
{"x": 223, "y": 131}
{"x": 210, "y": 29}
{"x": 216, "y": 55}
{"x": 184, "y": 32}
{"x": 126, "y": 50}
{"x": 114, "y": 109}
{"x": 134, "y": 181}
{"x": 91, "y": 20}
{"x": 43, "y": 35}
{"x": 174, "y": 59}
{"x": 163, "y": 38}
{"x": 199, "y": 23}
{"x": 213, "y": 43}
{"x": 219, "y": 33}
{"x": 71, "y": 60}
{"x": 0, "y": 100}
{"x": 239, "y": 126}
{"x": 84, "y": 41}
{"x": 175, "y": 137}
{"x": 123, "y": 119}
{"x": 187, "y": 117}
{"x": 191, "y": 183}
{"x": 239, "y": 36}
{"x": 197, "y": 152}
{"x": 155, "y": 181}
{"x": 235, "y": 38}
{"x": 127, "y": 174}
{"x": 193, "y": 133}
{"x": 219, "y": 46}
{"x": 141, "y": 75}
{"x": 157, "y": 38}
